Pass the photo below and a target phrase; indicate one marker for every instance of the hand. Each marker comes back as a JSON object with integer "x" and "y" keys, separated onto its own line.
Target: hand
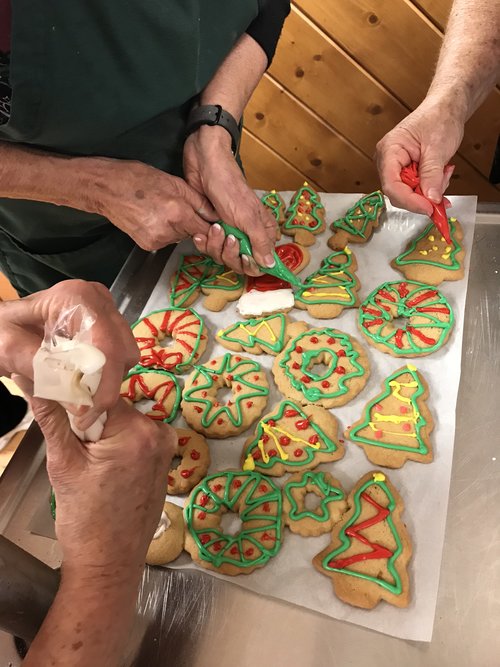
{"x": 430, "y": 136}
{"x": 152, "y": 207}
{"x": 210, "y": 168}
{"x": 109, "y": 494}
{"x": 22, "y": 332}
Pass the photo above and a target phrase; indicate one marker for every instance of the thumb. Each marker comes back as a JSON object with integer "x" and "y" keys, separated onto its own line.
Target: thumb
{"x": 431, "y": 170}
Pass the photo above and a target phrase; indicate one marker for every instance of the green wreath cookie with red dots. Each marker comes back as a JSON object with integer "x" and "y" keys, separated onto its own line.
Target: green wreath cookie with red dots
{"x": 201, "y": 407}
{"x": 257, "y": 502}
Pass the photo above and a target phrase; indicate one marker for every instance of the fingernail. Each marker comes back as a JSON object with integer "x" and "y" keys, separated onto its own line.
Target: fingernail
{"x": 269, "y": 261}
{"x": 197, "y": 239}
{"x": 231, "y": 239}
{"x": 246, "y": 260}
{"x": 217, "y": 228}
{"x": 434, "y": 195}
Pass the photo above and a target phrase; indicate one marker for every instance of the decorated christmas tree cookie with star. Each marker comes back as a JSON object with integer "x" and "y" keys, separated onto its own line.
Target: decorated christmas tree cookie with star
{"x": 263, "y": 335}
{"x": 396, "y": 424}
{"x": 431, "y": 259}
{"x": 274, "y": 201}
{"x": 368, "y": 557}
{"x": 305, "y": 216}
{"x": 358, "y": 223}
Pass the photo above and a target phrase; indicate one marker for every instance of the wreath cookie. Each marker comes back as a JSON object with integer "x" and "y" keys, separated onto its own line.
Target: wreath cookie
{"x": 406, "y": 319}
{"x": 265, "y": 335}
{"x": 332, "y": 288}
{"x": 347, "y": 368}
{"x": 359, "y": 221}
{"x": 250, "y": 389}
{"x": 185, "y": 327}
{"x": 368, "y": 557}
{"x": 305, "y": 216}
{"x": 143, "y": 384}
{"x": 316, "y": 521}
{"x": 258, "y": 504}
{"x": 396, "y": 424}
{"x": 199, "y": 274}
{"x": 195, "y": 460}
{"x": 168, "y": 541}
{"x": 430, "y": 259}
{"x": 292, "y": 438}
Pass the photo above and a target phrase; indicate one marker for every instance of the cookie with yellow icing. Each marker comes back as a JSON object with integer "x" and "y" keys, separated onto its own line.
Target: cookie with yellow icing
{"x": 305, "y": 216}
{"x": 263, "y": 335}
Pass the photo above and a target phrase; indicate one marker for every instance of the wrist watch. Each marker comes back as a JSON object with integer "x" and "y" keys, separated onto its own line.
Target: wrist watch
{"x": 214, "y": 114}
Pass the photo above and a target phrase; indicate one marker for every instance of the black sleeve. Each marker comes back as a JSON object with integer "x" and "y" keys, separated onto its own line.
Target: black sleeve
{"x": 266, "y": 28}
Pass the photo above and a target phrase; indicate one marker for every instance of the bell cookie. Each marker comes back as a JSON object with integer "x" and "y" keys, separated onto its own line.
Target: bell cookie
{"x": 258, "y": 504}
{"x": 326, "y": 292}
{"x": 430, "y": 259}
{"x": 188, "y": 333}
{"x": 250, "y": 390}
{"x": 406, "y": 319}
{"x": 292, "y": 438}
{"x": 346, "y": 362}
{"x": 331, "y": 507}
{"x": 168, "y": 541}
{"x": 199, "y": 274}
{"x": 396, "y": 424}
{"x": 143, "y": 384}
{"x": 305, "y": 216}
{"x": 368, "y": 557}
{"x": 358, "y": 223}
{"x": 195, "y": 461}
{"x": 265, "y": 335}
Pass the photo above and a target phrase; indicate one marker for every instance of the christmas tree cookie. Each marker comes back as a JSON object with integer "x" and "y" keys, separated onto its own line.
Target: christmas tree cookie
{"x": 368, "y": 557}
{"x": 292, "y": 438}
{"x": 199, "y": 274}
{"x": 305, "y": 216}
{"x": 430, "y": 259}
{"x": 267, "y": 335}
{"x": 273, "y": 201}
{"x": 396, "y": 424}
{"x": 332, "y": 288}
{"x": 359, "y": 221}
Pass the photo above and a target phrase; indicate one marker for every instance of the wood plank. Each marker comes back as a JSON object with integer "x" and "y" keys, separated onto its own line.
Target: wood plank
{"x": 265, "y": 169}
{"x": 319, "y": 73}
{"x": 303, "y": 139}
{"x": 437, "y": 10}
{"x": 381, "y": 36}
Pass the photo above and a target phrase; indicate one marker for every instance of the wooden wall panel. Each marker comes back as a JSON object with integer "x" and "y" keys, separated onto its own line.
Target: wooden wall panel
{"x": 437, "y": 10}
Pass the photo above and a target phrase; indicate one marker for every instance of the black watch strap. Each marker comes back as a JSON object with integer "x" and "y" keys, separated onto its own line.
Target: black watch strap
{"x": 214, "y": 114}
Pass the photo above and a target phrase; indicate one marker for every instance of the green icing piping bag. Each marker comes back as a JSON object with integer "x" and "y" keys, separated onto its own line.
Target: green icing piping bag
{"x": 279, "y": 270}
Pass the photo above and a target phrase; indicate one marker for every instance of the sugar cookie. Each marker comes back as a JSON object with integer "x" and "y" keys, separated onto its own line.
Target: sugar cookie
{"x": 264, "y": 335}
{"x": 305, "y": 216}
{"x": 358, "y": 223}
{"x": 143, "y": 384}
{"x": 168, "y": 541}
{"x": 195, "y": 460}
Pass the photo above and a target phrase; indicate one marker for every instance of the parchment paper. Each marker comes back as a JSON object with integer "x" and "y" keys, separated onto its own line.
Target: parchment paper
{"x": 290, "y": 575}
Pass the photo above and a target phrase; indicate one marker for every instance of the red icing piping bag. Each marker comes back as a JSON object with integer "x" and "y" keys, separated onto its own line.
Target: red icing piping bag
{"x": 410, "y": 177}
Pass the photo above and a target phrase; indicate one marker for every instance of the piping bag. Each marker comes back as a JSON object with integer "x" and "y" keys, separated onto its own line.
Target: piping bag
{"x": 279, "y": 270}
{"x": 67, "y": 368}
{"x": 410, "y": 177}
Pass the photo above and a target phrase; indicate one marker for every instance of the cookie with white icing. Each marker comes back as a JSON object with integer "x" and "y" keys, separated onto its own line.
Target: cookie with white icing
{"x": 168, "y": 541}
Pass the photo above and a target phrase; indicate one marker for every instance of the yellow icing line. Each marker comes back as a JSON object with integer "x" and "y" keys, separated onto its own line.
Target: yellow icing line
{"x": 378, "y": 477}
{"x": 259, "y": 326}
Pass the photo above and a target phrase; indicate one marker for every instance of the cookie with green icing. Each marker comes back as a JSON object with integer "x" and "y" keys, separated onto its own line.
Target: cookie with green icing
{"x": 358, "y": 223}
{"x": 368, "y": 557}
{"x": 330, "y": 506}
{"x": 396, "y": 423}
{"x": 429, "y": 258}
{"x": 274, "y": 202}
{"x": 263, "y": 335}
{"x": 155, "y": 385}
{"x": 305, "y": 216}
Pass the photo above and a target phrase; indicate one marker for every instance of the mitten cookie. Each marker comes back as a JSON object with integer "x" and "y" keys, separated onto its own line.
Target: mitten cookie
{"x": 323, "y": 366}
{"x": 192, "y": 448}
{"x": 321, "y": 519}
{"x": 168, "y": 541}
{"x": 292, "y": 438}
{"x": 206, "y": 414}
{"x": 396, "y": 424}
{"x": 406, "y": 319}
{"x": 430, "y": 259}
{"x": 143, "y": 384}
{"x": 199, "y": 274}
{"x": 359, "y": 221}
{"x": 332, "y": 288}
{"x": 305, "y": 216}
{"x": 265, "y": 335}
{"x": 368, "y": 557}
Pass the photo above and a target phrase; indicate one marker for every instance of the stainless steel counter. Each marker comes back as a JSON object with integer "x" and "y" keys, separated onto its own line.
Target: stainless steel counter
{"x": 189, "y": 619}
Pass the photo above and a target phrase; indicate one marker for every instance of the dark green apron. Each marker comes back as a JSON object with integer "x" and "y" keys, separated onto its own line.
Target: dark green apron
{"x": 102, "y": 77}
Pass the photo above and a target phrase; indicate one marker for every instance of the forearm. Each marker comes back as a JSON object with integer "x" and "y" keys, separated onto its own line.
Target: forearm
{"x": 237, "y": 77}
{"x": 86, "y": 625}
{"x": 469, "y": 62}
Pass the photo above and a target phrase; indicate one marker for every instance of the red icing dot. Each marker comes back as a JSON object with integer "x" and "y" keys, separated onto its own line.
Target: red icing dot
{"x": 298, "y": 349}
{"x": 406, "y": 427}
{"x": 340, "y": 370}
{"x": 305, "y": 379}
{"x": 266, "y": 507}
{"x": 195, "y": 455}
{"x": 256, "y": 378}
{"x": 215, "y": 378}
{"x": 314, "y": 339}
{"x": 216, "y": 405}
{"x": 267, "y": 537}
{"x": 331, "y": 340}
{"x": 379, "y": 434}
{"x": 249, "y": 552}
{"x": 341, "y": 353}
{"x": 272, "y": 452}
{"x": 220, "y": 421}
{"x": 263, "y": 488}
{"x": 295, "y": 366}
{"x": 229, "y": 377}
{"x": 265, "y": 438}
{"x": 256, "y": 454}
{"x": 229, "y": 403}
{"x": 204, "y": 538}
{"x": 378, "y": 407}
{"x": 249, "y": 404}
{"x": 291, "y": 413}
{"x": 203, "y": 394}
{"x": 284, "y": 440}
{"x": 217, "y": 546}
{"x": 234, "y": 550}
{"x": 403, "y": 410}
{"x": 238, "y": 387}
{"x": 237, "y": 483}
{"x": 202, "y": 515}
{"x": 183, "y": 441}
{"x": 312, "y": 223}
{"x": 203, "y": 500}
{"x": 198, "y": 409}
{"x": 217, "y": 487}
{"x": 314, "y": 439}
{"x": 213, "y": 362}
{"x": 187, "y": 473}
{"x": 325, "y": 384}
{"x": 298, "y": 452}
{"x": 302, "y": 424}
{"x": 237, "y": 358}
{"x": 341, "y": 441}
{"x": 271, "y": 422}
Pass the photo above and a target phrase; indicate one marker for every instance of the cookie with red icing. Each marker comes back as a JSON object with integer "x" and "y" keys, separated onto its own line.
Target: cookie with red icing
{"x": 192, "y": 448}
{"x": 305, "y": 216}
{"x": 143, "y": 385}
{"x": 187, "y": 331}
